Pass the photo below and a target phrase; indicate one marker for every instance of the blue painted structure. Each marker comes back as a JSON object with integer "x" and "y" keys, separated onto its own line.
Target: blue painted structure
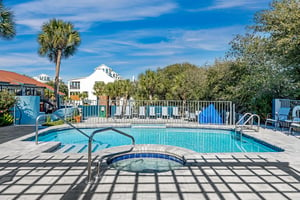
{"x": 210, "y": 116}
{"x": 28, "y": 109}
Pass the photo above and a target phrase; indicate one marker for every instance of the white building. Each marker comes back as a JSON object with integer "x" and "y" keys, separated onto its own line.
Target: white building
{"x": 86, "y": 84}
{"x": 43, "y": 78}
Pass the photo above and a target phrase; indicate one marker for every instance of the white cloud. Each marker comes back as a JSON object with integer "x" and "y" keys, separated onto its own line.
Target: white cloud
{"x": 227, "y": 4}
{"x": 83, "y": 13}
{"x": 24, "y": 60}
{"x": 176, "y": 41}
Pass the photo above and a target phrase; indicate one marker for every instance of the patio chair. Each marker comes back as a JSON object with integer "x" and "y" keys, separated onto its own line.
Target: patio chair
{"x": 175, "y": 113}
{"x": 190, "y": 116}
{"x": 280, "y": 117}
{"x": 152, "y": 113}
{"x": 295, "y": 125}
{"x": 128, "y": 112}
{"x": 118, "y": 113}
{"x": 142, "y": 112}
{"x": 164, "y": 112}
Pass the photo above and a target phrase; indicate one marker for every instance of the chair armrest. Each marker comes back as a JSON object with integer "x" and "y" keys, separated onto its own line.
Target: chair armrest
{"x": 269, "y": 115}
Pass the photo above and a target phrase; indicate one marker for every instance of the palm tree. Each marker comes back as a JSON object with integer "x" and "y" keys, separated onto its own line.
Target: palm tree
{"x": 83, "y": 96}
{"x": 7, "y": 25}
{"x": 58, "y": 40}
{"x": 99, "y": 88}
{"x": 149, "y": 85}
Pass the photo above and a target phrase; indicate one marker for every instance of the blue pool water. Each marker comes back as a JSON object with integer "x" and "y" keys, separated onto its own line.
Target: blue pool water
{"x": 146, "y": 162}
{"x": 199, "y": 140}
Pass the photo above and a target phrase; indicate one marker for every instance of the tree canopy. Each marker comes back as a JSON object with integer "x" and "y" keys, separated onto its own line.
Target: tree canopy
{"x": 58, "y": 40}
{"x": 7, "y": 24}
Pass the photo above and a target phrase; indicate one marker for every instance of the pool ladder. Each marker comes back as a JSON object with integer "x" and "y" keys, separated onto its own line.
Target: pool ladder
{"x": 248, "y": 123}
{"x": 90, "y": 142}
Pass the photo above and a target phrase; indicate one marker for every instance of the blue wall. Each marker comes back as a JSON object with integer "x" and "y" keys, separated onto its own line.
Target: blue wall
{"x": 29, "y": 109}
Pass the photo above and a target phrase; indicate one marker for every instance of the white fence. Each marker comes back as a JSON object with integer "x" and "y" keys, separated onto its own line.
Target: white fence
{"x": 160, "y": 111}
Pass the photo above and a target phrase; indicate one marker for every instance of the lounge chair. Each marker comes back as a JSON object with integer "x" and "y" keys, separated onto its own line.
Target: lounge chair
{"x": 142, "y": 113}
{"x": 164, "y": 112}
{"x": 190, "y": 116}
{"x": 279, "y": 117}
{"x": 152, "y": 113}
{"x": 118, "y": 113}
{"x": 294, "y": 125}
{"x": 175, "y": 113}
{"x": 128, "y": 112}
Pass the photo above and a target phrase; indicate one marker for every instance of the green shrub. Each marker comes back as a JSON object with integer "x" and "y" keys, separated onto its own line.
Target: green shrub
{"x": 53, "y": 123}
{"x": 6, "y": 119}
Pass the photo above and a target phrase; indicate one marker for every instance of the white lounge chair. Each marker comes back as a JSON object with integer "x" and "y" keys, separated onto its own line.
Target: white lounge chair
{"x": 164, "y": 112}
{"x": 152, "y": 113}
{"x": 142, "y": 112}
{"x": 118, "y": 113}
{"x": 128, "y": 112}
{"x": 190, "y": 116}
{"x": 175, "y": 113}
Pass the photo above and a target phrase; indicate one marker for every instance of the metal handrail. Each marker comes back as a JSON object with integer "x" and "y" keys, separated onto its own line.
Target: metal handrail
{"x": 249, "y": 119}
{"x": 90, "y": 140}
{"x": 46, "y": 115}
{"x": 108, "y": 155}
{"x": 242, "y": 118}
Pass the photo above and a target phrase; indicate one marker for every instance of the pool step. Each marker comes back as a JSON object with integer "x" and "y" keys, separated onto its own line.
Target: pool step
{"x": 80, "y": 148}
{"x": 77, "y": 148}
{"x": 95, "y": 148}
{"x": 65, "y": 148}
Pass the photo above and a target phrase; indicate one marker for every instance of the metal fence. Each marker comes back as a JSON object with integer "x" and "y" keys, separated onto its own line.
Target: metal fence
{"x": 156, "y": 111}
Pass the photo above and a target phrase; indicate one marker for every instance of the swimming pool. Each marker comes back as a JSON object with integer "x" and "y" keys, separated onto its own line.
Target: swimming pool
{"x": 199, "y": 140}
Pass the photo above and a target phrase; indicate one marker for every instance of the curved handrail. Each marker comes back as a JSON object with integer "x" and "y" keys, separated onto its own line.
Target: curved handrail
{"x": 248, "y": 120}
{"x": 108, "y": 155}
{"x": 242, "y": 118}
{"x": 46, "y": 115}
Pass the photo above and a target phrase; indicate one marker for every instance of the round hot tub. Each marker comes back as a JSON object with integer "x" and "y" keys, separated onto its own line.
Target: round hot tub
{"x": 146, "y": 162}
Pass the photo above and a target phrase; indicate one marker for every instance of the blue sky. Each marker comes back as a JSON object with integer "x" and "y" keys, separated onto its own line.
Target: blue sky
{"x": 130, "y": 36}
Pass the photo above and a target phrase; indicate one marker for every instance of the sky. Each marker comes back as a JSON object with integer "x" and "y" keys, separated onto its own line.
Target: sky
{"x": 130, "y": 36}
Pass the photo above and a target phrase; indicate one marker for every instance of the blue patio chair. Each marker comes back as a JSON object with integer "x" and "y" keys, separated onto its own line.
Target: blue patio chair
{"x": 280, "y": 117}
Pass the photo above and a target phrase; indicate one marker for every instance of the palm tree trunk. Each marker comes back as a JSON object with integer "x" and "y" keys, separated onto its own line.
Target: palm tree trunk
{"x": 56, "y": 82}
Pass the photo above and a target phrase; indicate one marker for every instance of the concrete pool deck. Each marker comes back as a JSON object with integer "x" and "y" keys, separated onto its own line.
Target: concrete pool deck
{"x": 28, "y": 173}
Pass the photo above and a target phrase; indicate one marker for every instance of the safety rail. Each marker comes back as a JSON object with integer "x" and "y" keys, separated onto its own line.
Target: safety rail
{"x": 49, "y": 115}
{"x": 249, "y": 123}
{"x": 107, "y": 155}
{"x": 90, "y": 140}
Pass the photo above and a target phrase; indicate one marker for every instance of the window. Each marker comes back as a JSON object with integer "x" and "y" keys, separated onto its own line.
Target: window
{"x": 75, "y": 85}
{"x": 74, "y": 93}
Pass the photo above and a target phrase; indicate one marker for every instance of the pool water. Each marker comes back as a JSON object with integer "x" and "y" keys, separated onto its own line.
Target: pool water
{"x": 146, "y": 162}
{"x": 199, "y": 140}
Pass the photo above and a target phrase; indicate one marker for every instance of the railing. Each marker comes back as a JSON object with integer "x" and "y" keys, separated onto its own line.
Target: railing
{"x": 49, "y": 115}
{"x": 107, "y": 155}
{"x": 90, "y": 140}
{"x": 249, "y": 122}
{"x": 155, "y": 111}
